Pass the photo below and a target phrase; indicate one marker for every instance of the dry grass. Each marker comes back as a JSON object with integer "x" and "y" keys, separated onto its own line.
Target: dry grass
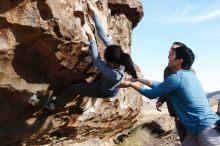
{"x": 139, "y": 137}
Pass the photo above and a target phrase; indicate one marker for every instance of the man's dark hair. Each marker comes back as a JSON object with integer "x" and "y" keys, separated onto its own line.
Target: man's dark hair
{"x": 187, "y": 55}
{"x": 179, "y": 44}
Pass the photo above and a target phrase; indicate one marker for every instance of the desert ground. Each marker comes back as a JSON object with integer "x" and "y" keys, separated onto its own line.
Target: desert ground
{"x": 143, "y": 135}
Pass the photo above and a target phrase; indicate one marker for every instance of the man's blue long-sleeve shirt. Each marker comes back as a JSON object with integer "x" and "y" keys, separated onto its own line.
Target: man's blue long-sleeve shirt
{"x": 110, "y": 77}
{"x": 188, "y": 98}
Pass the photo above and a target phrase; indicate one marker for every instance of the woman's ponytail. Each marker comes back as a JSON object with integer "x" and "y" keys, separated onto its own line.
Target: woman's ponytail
{"x": 127, "y": 62}
{"x": 114, "y": 53}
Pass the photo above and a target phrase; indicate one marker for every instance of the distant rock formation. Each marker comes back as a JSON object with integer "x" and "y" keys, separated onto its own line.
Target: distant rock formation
{"x": 43, "y": 49}
{"x": 215, "y": 96}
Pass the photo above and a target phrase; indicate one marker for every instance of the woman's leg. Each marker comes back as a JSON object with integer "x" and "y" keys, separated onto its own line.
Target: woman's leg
{"x": 91, "y": 90}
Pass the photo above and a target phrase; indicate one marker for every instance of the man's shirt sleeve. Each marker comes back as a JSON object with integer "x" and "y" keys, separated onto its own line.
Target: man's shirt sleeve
{"x": 155, "y": 84}
{"x": 170, "y": 84}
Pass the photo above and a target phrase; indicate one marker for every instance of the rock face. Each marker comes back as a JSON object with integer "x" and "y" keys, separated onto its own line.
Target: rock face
{"x": 42, "y": 50}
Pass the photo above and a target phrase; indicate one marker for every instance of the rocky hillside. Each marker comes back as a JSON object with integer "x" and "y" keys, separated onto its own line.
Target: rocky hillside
{"x": 214, "y": 95}
{"x": 42, "y": 50}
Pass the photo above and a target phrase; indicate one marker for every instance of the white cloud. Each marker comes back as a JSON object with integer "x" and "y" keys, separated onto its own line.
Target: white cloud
{"x": 200, "y": 17}
{"x": 195, "y": 13}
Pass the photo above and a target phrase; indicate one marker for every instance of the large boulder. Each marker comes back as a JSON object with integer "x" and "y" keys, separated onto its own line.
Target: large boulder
{"x": 43, "y": 48}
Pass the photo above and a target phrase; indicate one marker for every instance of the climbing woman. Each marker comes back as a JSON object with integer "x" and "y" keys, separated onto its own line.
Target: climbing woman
{"x": 112, "y": 70}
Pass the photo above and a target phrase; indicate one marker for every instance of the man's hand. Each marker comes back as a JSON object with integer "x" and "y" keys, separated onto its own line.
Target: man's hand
{"x": 124, "y": 84}
{"x": 158, "y": 105}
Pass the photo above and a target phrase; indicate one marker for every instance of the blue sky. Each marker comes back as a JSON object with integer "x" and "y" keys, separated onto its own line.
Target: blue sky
{"x": 193, "y": 22}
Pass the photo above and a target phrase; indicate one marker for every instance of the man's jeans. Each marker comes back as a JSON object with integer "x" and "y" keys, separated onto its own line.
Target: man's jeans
{"x": 208, "y": 137}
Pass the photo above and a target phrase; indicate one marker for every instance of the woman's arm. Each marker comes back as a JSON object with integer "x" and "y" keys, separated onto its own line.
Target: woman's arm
{"x": 101, "y": 33}
{"x": 89, "y": 32}
{"x": 105, "y": 70}
{"x": 102, "y": 66}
